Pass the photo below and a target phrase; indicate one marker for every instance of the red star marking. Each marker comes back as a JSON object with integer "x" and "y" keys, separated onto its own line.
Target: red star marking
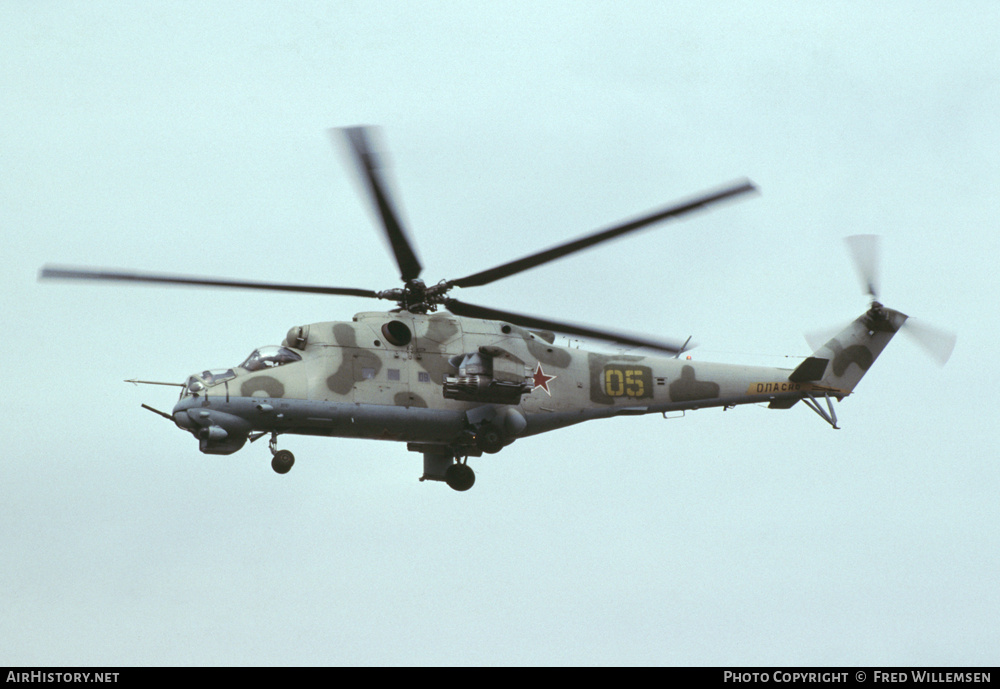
{"x": 542, "y": 380}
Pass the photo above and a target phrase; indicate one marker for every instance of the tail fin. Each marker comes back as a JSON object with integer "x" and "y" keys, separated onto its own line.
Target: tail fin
{"x": 851, "y": 352}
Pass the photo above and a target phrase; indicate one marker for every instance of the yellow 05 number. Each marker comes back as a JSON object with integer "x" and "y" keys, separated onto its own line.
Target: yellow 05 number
{"x": 627, "y": 382}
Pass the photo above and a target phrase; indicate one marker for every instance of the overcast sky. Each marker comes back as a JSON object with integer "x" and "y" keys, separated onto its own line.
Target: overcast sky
{"x": 191, "y": 138}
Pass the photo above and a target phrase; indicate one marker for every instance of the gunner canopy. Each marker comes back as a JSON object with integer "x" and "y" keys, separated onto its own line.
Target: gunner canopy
{"x": 205, "y": 379}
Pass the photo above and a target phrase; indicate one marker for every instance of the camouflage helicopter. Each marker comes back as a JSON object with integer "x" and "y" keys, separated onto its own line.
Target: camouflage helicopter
{"x": 455, "y": 380}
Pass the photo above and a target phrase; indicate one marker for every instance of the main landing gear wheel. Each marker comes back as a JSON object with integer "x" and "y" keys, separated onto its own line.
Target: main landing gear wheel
{"x": 282, "y": 461}
{"x": 460, "y": 477}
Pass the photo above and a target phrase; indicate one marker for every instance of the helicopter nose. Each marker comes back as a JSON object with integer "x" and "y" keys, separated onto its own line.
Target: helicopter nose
{"x": 208, "y": 423}
{"x": 181, "y": 417}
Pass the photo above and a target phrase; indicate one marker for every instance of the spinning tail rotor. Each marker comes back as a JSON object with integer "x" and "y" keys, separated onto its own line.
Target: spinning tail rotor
{"x": 861, "y": 341}
{"x": 864, "y": 250}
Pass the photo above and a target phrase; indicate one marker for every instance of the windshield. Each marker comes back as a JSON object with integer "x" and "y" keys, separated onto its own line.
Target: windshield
{"x": 205, "y": 379}
{"x": 217, "y": 376}
{"x": 269, "y": 357}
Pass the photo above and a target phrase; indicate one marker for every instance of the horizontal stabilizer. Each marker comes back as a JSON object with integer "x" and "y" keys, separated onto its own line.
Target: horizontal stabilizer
{"x": 811, "y": 369}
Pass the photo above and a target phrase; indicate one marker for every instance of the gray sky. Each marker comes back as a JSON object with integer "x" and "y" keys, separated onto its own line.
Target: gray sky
{"x": 192, "y": 138}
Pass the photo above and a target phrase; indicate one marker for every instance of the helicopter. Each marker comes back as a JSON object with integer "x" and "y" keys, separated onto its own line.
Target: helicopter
{"x": 455, "y": 380}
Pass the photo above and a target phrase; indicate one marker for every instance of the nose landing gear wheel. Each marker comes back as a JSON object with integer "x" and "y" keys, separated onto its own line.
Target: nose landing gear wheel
{"x": 460, "y": 477}
{"x": 282, "y": 461}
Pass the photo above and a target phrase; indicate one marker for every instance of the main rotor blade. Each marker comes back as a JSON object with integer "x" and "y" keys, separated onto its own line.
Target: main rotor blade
{"x": 472, "y": 311}
{"x": 369, "y": 166}
{"x": 865, "y": 253}
{"x": 48, "y": 273}
{"x": 676, "y": 210}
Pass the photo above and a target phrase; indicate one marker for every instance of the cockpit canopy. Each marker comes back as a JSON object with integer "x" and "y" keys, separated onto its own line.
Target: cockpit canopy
{"x": 270, "y": 357}
{"x": 261, "y": 359}
{"x": 207, "y": 379}
{"x": 217, "y": 376}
